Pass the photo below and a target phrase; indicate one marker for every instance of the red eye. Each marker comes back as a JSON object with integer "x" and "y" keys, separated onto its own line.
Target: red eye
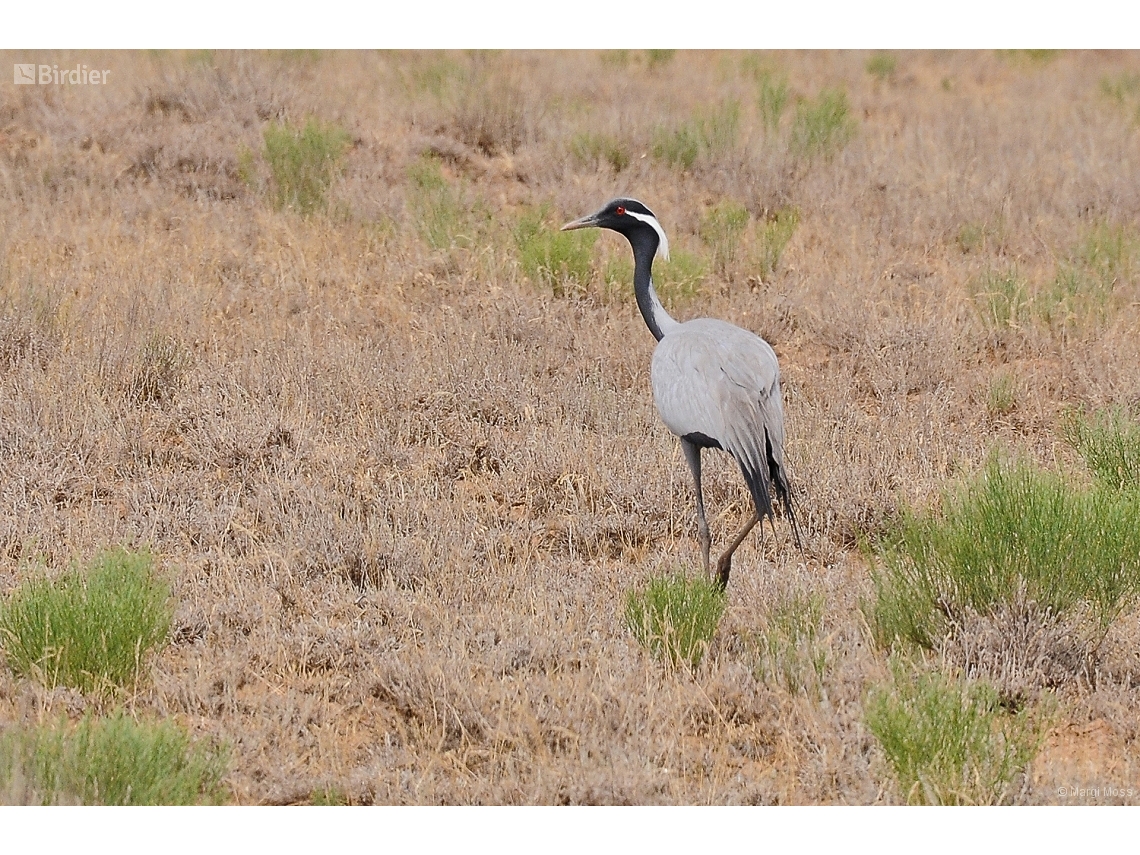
{"x": 620, "y": 210}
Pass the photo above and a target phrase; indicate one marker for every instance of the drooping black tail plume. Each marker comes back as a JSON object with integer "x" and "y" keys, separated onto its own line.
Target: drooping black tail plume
{"x": 762, "y": 481}
{"x": 784, "y": 497}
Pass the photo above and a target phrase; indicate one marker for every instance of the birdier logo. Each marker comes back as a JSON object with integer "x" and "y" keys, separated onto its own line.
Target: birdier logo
{"x": 81, "y": 75}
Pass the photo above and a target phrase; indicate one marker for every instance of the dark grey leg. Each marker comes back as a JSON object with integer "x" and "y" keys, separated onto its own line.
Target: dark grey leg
{"x": 693, "y": 456}
{"x": 725, "y": 562}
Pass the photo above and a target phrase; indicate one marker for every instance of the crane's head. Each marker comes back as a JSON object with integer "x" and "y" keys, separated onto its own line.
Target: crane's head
{"x": 630, "y": 218}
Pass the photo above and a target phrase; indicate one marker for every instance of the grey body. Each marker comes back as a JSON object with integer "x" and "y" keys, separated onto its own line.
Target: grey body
{"x": 715, "y": 385}
{"x": 714, "y": 379}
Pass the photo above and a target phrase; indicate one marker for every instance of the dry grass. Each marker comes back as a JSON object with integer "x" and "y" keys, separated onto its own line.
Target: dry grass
{"x": 401, "y": 489}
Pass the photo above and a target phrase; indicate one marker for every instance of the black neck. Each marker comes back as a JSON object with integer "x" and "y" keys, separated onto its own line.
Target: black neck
{"x": 644, "y": 243}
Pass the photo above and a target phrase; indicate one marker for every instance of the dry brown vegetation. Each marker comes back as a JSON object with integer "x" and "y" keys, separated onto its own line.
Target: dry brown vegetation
{"x": 401, "y": 489}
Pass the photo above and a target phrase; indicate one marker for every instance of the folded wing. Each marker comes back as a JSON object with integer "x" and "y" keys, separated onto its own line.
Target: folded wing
{"x": 719, "y": 385}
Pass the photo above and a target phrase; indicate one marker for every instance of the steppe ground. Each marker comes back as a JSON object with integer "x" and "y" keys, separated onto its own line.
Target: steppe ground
{"x": 401, "y": 485}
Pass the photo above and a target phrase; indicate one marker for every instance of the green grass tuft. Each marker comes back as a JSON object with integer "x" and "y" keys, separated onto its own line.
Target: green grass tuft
{"x": 246, "y": 166}
{"x": 881, "y": 65}
{"x": 675, "y": 617}
{"x": 615, "y": 58}
{"x": 1124, "y": 91}
{"x": 677, "y": 147}
{"x": 772, "y": 99}
{"x": 721, "y": 229}
{"x": 329, "y": 796}
{"x": 710, "y": 133}
{"x": 440, "y": 217}
{"x": 977, "y": 237}
{"x": 1001, "y": 298}
{"x": 1106, "y": 251}
{"x": 1013, "y": 527}
{"x": 1109, "y": 441}
{"x": 562, "y": 261}
{"x": 949, "y": 742}
{"x": 719, "y": 127}
{"x": 1028, "y": 57}
{"x": 589, "y": 149}
{"x": 1001, "y": 399}
{"x": 1081, "y": 294}
{"x": 89, "y": 630}
{"x": 822, "y": 126}
{"x": 436, "y": 75}
{"x": 1121, "y": 87}
{"x": 789, "y": 651}
{"x": 110, "y": 761}
{"x": 773, "y": 237}
{"x": 304, "y": 162}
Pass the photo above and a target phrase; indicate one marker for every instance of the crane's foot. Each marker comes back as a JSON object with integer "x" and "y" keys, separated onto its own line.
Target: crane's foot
{"x": 723, "y": 566}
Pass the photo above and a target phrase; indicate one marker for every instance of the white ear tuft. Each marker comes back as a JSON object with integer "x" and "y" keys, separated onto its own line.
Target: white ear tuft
{"x": 663, "y": 243}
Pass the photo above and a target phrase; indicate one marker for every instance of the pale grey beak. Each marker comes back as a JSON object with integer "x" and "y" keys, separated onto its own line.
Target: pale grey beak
{"x": 590, "y": 221}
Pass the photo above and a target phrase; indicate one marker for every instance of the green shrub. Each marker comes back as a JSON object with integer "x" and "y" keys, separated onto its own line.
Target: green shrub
{"x": 789, "y": 651}
{"x": 89, "y": 630}
{"x": 949, "y": 742}
{"x": 1011, "y": 528}
{"x": 111, "y": 761}
{"x": 773, "y": 237}
{"x": 304, "y": 162}
{"x": 772, "y": 99}
{"x": 721, "y": 229}
{"x": 822, "y": 126}
{"x": 1109, "y": 441}
{"x": 589, "y": 149}
{"x": 881, "y": 65}
{"x": 659, "y": 57}
{"x": 563, "y": 261}
{"x": 675, "y": 617}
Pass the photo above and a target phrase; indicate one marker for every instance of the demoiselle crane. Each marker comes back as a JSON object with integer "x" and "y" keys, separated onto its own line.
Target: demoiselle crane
{"x": 715, "y": 385}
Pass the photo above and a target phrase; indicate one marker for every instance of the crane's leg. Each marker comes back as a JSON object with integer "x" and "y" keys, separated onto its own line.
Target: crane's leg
{"x": 725, "y": 562}
{"x": 693, "y": 456}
